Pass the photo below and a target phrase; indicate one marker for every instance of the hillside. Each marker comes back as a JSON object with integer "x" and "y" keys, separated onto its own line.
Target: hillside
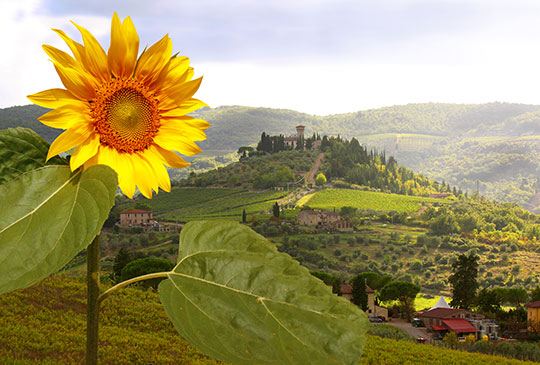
{"x": 493, "y": 146}
{"x": 135, "y": 329}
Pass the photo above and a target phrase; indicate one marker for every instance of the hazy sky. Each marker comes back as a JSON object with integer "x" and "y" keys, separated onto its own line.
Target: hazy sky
{"x": 320, "y": 57}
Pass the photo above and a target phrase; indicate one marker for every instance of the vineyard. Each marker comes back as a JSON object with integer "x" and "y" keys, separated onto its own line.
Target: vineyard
{"x": 135, "y": 329}
{"x": 225, "y": 206}
{"x": 337, "y": 198}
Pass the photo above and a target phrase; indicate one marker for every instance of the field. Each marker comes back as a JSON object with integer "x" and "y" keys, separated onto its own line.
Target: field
{"x": 227, "y": 205}
{"x": 337, "y": 198}
{"x": 45, "y": 324}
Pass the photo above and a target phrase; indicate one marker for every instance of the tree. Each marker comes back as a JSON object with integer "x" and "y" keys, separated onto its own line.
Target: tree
{"x": 244, "y": 218}
{"x": 359, "y": 295}
{"x": 320, "y": 180}
{"x": 275, "y": 210}
{"x": 123, "y": 257}
{"x": 488, "y": 301}
{"x": 535, "y": 294}
{"x": 142, "y": 206}
{"x": 403, "y": 291}
{"x": 329, "y": 279}
{"x": 463, "y": 281}
{"x": 145, "y": 266}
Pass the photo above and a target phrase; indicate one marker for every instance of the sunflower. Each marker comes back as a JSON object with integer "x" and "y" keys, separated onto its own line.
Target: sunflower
{"x": 123, "y": 110}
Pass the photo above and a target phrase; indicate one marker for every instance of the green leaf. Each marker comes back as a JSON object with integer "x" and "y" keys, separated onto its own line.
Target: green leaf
{"x": 22, "y": 150}
{"x": 237, "y": 299}
{"x": 49, "y": 215}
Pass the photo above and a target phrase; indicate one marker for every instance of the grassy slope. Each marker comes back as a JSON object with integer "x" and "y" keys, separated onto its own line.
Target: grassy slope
{"x": 337, "y": 198}
{"x": 46, "y": 324}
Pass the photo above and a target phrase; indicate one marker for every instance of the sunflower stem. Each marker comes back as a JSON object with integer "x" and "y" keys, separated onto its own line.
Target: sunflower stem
{"x": 92, "y": 313}
{"x": 131, "y": 281}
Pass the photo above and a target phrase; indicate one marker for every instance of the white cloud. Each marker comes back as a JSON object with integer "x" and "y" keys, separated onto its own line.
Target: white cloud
{"x": 24, "y": 68}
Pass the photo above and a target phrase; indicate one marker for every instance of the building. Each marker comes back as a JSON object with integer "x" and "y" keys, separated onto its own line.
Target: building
{"x": 443, "y": 319}
{"x": 533, "y": 316}
{"x": 292, "y": 141}
{"x": 346, "y": 291}
{"x": 323, "y": 219}
{"x": 136, "y": 217}
{"x": 373, "y": 309}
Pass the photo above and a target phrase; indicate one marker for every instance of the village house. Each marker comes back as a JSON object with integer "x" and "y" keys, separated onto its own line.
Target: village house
{"x": 323, "y": 219}
{"x": 533, "y": 316}
{"x": 442, "y": 319}
{"x": 373, "y": 309}
{"x": 135, "y": 217}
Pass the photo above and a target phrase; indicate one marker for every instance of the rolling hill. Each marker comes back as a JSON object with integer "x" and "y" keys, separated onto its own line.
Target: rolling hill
{"x": 493, "y": 146}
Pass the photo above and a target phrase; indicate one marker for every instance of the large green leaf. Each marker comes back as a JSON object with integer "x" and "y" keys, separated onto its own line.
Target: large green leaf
{"x": 22, "y": 150}
{"x": 48, "y": 216}
{"x": 237, "y": 299}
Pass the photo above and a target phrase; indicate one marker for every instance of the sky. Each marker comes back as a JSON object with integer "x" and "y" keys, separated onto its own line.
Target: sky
{"x": 318, "y": 56}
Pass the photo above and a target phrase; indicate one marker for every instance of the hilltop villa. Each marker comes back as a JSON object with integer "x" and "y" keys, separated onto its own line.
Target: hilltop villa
{"x": 292, "y": 141}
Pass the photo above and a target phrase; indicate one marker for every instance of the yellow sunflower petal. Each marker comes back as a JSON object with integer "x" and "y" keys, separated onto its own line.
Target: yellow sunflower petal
{"x": 175, "y": 142}
{"x": 75, "y": 82}
{"x": 187, "y": 76}
{"x": 169, "y": 158}
{"x": 176, "y": 95}
{"x": 54, "y": 98}
{"x": 162, "y": 176}
{"x": 186, "y": 120}
{"x": 60, "y": 57}
{"x": 186, "y": 107}
{"x": 122, "y": 54}
{"x": 76, "y": 48}
{"x": 69, "y": 139}
{"x": 153, "y": 59}
{"x": 84, "y": 152}
{"x": 96, "y": 58}
{"x": 144, "y": 176}
{"x": 66, "y": 116}
{"x": 171, "y": 73}
{"x": 126, "y": 180}
{"x": 186, "y": 131}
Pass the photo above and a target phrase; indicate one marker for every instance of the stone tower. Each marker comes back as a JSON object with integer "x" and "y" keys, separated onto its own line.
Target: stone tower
{"x": 300, "y": 131}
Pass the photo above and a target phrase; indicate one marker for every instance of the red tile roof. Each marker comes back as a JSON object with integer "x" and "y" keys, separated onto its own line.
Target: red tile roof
{"x": 439, "y": 328}
{"x": 440, "y": 313}
{"x": 369, "y": 290}
{"x": 533, "y": 304}
{"x": 135, "y": 211}
{"x": 459, "y": 325}
{"x": 346, "y": 289}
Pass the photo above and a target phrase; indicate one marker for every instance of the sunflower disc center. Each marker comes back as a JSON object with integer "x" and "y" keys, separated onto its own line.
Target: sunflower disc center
{"x": 125, "y": 115}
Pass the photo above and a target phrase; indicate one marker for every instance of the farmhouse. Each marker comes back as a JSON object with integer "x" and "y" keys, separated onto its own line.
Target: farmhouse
{"x": 442, "y": 319}
{"x": 325, "y": 219}
{"x": 533, "y": 316}
{"x": 135, "y": 217}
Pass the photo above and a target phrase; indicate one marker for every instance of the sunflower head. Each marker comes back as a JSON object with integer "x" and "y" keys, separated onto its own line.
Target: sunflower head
{"x": 122, "y": 109}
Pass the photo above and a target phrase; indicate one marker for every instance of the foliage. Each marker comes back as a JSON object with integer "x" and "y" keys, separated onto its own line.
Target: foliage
{"x": 146, "y": 266}
{"x": 57, "y": 216}
{"x": 403, "y": 291}
{"x": 535, "y": 294}
{"x": 464, "y": 281}
{"x": 388, "y": 331}
{"x": 275, "y": 210}
{"x": 122, "y": 258}
{"x": 359, "y": 295}
{"x": 488, "y": 301}
{"x": 320, "y": 180}
{"x": 258, "y": 294}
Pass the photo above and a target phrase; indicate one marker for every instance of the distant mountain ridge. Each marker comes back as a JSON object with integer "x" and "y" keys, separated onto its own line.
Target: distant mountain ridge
{"x": 494, "y": 146}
